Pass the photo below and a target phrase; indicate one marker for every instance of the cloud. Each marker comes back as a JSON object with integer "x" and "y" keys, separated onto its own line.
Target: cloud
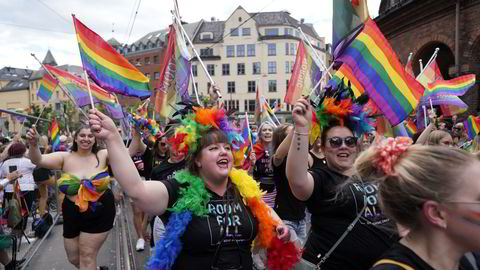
{"x": 34, "y": 26}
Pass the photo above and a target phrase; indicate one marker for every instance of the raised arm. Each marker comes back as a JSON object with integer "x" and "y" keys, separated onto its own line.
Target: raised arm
{"x": 52, "y": 161}
{"x": 282, "y": 149}
{"x": 136, "y": 146}
{"x": 422, "y": 139}
{"x": 299, "y": 179}
{"x": 150, "y": 196}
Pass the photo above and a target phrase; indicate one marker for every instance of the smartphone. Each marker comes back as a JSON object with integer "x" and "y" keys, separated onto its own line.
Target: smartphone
{"x": 12, "y": 168}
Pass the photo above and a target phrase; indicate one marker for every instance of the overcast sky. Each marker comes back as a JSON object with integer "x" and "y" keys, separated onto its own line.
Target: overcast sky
{"x": 34, "y": 26}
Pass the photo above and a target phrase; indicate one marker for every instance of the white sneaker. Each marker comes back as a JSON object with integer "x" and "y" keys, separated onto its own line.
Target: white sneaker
{"x": 140, "y": 244}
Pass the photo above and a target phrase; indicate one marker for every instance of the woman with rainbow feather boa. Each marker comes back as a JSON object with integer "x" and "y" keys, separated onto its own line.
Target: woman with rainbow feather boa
{"x": 216, "y": 212}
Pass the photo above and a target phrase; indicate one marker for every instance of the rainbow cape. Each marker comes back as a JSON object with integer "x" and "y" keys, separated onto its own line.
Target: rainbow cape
{"x": 47, "y": 86}
{"x": 376, "y": 66}
{"x": 109, "y": 69}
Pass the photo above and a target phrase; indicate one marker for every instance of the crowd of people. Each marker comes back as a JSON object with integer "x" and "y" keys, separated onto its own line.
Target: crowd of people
{"x": 341, "y": 200}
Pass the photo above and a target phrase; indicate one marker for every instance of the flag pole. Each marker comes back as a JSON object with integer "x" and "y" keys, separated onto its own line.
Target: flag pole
{"x": 38, "y": 118}
{"x": 409, "y": 57}
{"x": 421, "y": 65}
{"x": 194, "y": 87}
{"x": 434, "y": 56}
{"x": 249, "y": 131}
{"x": 196, "y": 53}
{"x": 314, "y": 51}
{"x": 425, "y": 115}
{"x": 60, "y": 84}
{"x": 89, "y": 90}
{"x": 323, "y": 77}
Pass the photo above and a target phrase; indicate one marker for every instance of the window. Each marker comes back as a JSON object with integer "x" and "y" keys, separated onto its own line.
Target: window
{"x": 156, "y": 75}
{"x": 147, "y": 60}
{"x": 272, "y": 67}
{"x": 155, "y": 59}
{"x": 251, "y": 86}
{"x": 148, "y": 75}
{"x": 273, "y": 102}
{"x": 225, "y": 69}
{"x": 245, "y": 31}
{"x": 286, "y": 83}
{"x": 297, "y": 34}
{"x": 240, "y": 50}
{"x": 58, "y": 94}
{"x": 211, "y": 69}
{"x": 256, "y": 68}
{"x": 206, "y": 36}
{"x": 231, "y": 51}
{"x": 193, "y": 88}
{"x": 290, "y": 48}
{"x": 272, "y": 86}
{"x": 272, "y": 49}
{"x": 206, "y": 52}
{"x": 231, "y": 87}
{"x": 231, "y": 104}
{"x": 250, "y": 49}
{"x": 194, "y": 70}
{"x": 234, "y": 32}
{"x": 289, "y": 66}
{"x": 241, "y": 69}
{"x": 288, "y": 32}
{"x": 209, "y": 85}
{"x": 138, "y": 62}
{"x": 251, "y": 105}
{"x": 271, "y": 32}
{"x": 58, "y": 105}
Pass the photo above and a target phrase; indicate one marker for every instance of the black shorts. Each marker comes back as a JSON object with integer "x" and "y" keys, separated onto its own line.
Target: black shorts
{"x": 98, "y": 221}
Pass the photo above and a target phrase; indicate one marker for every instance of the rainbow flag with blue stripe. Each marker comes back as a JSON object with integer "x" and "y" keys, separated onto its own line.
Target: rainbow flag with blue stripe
{"x": 109, "y": 69}
{"x": 345, "y": 73}
{"x": 376, "y": 66}
{"x": 55, "y": 135}
{"x": 472, "y": 125}
{"x": 410, "y": 127}
{"x": 47, "y": 86}
{"x": 457, "y": 86}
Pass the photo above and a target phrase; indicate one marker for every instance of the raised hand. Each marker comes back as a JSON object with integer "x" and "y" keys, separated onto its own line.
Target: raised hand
{"x": 101, "y": 125}
{"x": 32, "y": 136}
{"x": 302, "y": 113}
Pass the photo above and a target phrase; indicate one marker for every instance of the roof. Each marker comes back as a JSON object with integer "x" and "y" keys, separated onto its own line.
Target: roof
{"x": 192, "y": 28}
{"x": 20, "y": 84}
{"x": 152, "y": 37}
{"x": 216, "y": 27}
{"x": 11, "y": 73}
{"x": 276, "y": 18}
{"x": 113, "y": 42}
{"x": 49, "y": 60}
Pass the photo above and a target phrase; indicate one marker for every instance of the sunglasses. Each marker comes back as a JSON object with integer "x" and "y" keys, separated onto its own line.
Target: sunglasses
{"x": 163, "y": 144}
{"x": 336, "y": 142}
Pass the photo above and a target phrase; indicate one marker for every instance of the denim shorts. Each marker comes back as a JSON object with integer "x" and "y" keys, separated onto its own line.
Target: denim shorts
{"x": 300, "y": 228}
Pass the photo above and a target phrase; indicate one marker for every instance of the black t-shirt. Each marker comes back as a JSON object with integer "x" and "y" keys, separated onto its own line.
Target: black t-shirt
{"x": 228, "y": 219}
{"x": 263, "y": 173}
{"x": 146, "y": 159}
{"x": 287, "y": 206}
{"x": 165, "y": 170}
{"x": 406, "y": 256}
{"x": 317, "y": 162}
{"x": 333, "y": 211}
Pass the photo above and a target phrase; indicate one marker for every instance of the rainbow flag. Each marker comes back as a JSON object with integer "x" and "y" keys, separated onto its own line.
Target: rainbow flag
{"x": 430, "y": 74}
{"x": 109, "y": 69}
{"x": 305, "y": 75}
{"x": 411, "y": 127}
{"x": 47, "y": 86}
{"x": 55, "y": 134}
{"x": 472, "y": 125}
{"x": 457, "y": 86}
{"x": 376, "y": 66}
{"x": 409, "y": 67}
{"x": 78, "y": 88}
{"x": 345, "y": 73}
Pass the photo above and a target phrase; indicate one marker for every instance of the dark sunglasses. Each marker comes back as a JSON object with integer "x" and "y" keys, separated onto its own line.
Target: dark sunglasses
{"x": 163, "y": 144}
{"x": 336, "y": 142}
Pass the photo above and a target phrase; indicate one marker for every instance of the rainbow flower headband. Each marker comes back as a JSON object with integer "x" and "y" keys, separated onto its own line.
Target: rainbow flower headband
{"x": 194, "y": 125}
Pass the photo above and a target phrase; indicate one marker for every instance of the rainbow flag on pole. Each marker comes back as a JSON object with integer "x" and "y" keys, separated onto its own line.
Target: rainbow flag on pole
{"x": 79, "y": 90}
{"x": 457, "y": 86}
{"x": 47, "y": 86}
{"x": 376, "y": 66}
{"x": 305, "y": 75}
{"x": 472, "y": 125}
{"x": 109, "y": 69}
{"x": 54, "y": 134}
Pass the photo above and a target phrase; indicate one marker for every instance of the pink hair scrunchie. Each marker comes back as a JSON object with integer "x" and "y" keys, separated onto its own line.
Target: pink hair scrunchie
{"x": 388, "y": 152}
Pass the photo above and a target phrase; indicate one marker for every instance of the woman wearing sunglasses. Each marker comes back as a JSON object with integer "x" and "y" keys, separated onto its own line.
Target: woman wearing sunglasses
{"x": 348, "y": 229}
{"x": 435, "y": 193}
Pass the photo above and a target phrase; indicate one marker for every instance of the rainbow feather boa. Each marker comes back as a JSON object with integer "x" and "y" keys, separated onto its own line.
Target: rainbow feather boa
{"x": 193, "y": 201}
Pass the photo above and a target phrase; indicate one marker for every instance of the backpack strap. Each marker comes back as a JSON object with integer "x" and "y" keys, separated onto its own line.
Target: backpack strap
{"x": 389, "y": 261}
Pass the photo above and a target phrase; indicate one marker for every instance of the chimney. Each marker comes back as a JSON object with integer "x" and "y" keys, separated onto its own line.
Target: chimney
{"x": 302, "y": 20}
{"x": 212, "y": 19}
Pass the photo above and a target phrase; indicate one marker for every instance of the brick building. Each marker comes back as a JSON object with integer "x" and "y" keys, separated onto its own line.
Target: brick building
{"x": 420, "y": 26}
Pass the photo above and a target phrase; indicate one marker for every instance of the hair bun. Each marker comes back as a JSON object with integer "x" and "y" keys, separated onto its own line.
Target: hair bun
{"x": 388, "y": 151}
